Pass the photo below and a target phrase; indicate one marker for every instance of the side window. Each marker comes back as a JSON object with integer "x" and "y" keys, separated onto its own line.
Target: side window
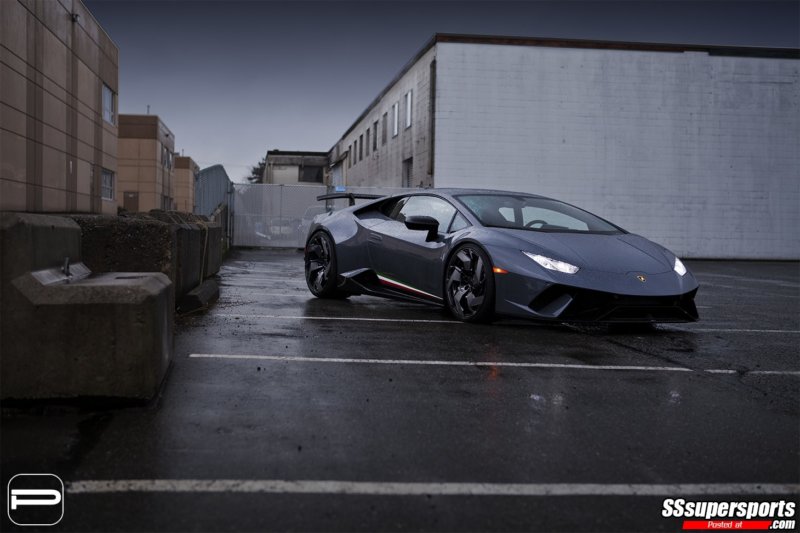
{"x": 429, "y": 206}
{"x": 392, "y": 208}
{"x": 459, "y": 223}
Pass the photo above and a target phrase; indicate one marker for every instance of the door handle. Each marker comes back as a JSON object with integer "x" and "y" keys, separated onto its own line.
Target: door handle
{"x": 374, "y": 237}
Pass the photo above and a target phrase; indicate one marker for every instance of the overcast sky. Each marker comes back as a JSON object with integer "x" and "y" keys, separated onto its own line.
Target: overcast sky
{"x": 233, "y": 79}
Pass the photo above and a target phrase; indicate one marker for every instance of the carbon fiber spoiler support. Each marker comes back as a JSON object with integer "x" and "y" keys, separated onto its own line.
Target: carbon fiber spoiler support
{"x": 352, "y": 196}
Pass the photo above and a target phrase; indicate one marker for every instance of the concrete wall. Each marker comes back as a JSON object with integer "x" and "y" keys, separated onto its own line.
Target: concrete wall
{"x": 699, "y": 153}
{"x": 283, "y": 174}
{"x": 146, "y": 164}
{"x": 54, "y": 141}
{"x": 384, "y": 167}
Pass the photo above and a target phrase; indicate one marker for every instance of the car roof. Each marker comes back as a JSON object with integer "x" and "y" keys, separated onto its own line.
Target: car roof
{"x": 455, "y": 191}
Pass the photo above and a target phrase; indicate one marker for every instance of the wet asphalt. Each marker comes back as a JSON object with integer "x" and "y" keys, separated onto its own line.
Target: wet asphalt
{"x": 585, "y": 411}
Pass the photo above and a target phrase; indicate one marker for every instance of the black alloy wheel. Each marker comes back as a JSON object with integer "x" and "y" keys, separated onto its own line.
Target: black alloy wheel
{"x": 321, "y": 272}
{"x": 469, "y": 285}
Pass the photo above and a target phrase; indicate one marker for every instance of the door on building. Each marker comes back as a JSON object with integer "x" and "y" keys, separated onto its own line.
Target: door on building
{"x": 337, "y": 177}
{"x": 408, "y": 172}
{"x": 130, "y": 201}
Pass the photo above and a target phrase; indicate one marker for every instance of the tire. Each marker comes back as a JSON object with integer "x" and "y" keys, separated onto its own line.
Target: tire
{"x": 320, "y": 267}
{"x": 469, "y": 284}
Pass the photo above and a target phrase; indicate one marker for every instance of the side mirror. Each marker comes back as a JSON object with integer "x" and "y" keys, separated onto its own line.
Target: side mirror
{"x": 424, "y": 223}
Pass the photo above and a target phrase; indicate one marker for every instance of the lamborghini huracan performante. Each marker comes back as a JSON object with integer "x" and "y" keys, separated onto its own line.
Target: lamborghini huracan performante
{"x": 483, "y": 253}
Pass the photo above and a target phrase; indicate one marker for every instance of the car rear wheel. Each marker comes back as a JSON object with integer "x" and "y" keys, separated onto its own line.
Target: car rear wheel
{"x": 469, "y": 285}
{"x": 321, "y": 270}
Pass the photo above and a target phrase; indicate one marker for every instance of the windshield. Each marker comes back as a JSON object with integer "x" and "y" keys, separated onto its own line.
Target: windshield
{"x": 534, "y": 214}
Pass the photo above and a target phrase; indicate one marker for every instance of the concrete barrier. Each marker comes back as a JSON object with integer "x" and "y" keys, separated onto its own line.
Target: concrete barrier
{"x": 185, "y": 247}
{"x": 125, "y": 244}
{"x": 64, "y": 333}
{"x": 200, "y": 238}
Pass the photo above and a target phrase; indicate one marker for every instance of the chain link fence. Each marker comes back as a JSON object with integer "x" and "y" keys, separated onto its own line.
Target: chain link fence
{"x": 278, "y": 216}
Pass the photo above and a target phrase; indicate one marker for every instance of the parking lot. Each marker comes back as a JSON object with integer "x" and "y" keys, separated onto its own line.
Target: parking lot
{"x": 285, "y": 412}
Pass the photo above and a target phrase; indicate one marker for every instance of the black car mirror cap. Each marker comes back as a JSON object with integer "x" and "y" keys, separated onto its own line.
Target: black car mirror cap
{"x": 423, "y": 223}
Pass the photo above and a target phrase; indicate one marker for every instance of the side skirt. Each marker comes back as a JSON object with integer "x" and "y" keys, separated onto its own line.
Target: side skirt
{"x": 367, "y": 281}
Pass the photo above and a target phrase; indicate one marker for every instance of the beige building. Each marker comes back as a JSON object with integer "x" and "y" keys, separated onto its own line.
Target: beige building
{"x": 58, "y": 109}
{"x": 186, "y": 174}
{"x": 146, "y": 164}
{"x": 292, "y": 168}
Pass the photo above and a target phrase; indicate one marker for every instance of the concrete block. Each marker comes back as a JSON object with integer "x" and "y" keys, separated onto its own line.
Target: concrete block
{"x": 185, "y": 247}
{"x": 128, "y": 244}
{"x": 108, "y": 335}
{"x": 105, "y": 336}
{"x": 214, "y": 249}
{"x": 32, "y": 242}
{"x": 200, "y": 247}
{"x": 200, "y": 297}
{"x": 190, "y": 257}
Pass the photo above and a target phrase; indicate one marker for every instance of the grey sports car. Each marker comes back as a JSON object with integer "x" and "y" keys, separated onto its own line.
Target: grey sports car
{"x": 484, "y": 253}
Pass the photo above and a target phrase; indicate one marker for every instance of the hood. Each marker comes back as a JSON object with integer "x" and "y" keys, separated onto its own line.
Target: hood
{"x": 602, "y": 253}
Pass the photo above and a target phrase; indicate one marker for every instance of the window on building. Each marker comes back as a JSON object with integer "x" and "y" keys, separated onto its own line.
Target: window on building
{"x": 384, "y": 128}
{"x": 366, "y": 148}
{"x": 395, "y": 119}
{"x": 361, "y": 147}
{"x": 109, "y": 105}
{"x": 166, "y": 157}
{"x": 408, "y": 109}
{"x": 375, "y": 136}
{"x": 355, "y": 151}
{"x": 311, "y": 173}
{"x": 349, "y": 155}
{"x": 107, "y": 186}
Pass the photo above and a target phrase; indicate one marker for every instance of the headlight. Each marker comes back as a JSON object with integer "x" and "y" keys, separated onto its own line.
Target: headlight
{"x": 679, "y": 267}
{"x": 553, "y": 264}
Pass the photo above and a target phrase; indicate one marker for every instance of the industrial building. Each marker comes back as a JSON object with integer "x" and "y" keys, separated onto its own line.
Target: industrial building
{"x": 186, "y": 174}
{"x": 146, "y": 164}
{"x": 58, "y": 102}
{"x": 696, "y": 147}
{"x": 291, "y": 168}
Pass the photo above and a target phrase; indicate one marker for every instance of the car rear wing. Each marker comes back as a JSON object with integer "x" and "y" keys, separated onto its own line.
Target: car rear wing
{"x": 352, "y": 196}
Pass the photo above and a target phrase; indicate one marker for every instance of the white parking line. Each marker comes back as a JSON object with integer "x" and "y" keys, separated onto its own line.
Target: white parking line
{"x": 304, "y": 294}
{"x": 427, "y": 362}
{"x": 378, "y": 488}
{"x": 286, "y": 279}
{"x": 420, "y": 321}
{"x": 758, "y": 290}
{"x": 735, "y": 330}
{"x": 348, "y": 318}
{"x": 780, "y": 283}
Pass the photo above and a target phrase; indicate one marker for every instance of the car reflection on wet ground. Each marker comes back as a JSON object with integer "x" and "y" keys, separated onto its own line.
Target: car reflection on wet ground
{"x": 285, "y": 412}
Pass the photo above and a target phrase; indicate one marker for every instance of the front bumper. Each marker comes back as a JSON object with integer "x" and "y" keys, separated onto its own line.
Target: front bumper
{"x": 664, "y": 298}
{"x": 570, "y": 304}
